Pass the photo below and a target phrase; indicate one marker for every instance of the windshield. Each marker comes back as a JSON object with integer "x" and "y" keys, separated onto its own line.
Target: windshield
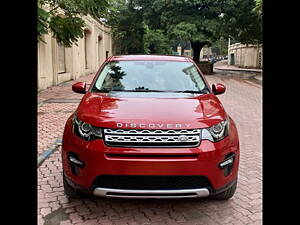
{"x": 166, "y": 76}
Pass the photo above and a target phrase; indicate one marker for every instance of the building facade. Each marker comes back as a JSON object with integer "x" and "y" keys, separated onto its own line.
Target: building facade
{"x": 187, "y": 52}
{"x": 245, "y": 56}
{"x": 205, "y": 53}
{"x": 57, "y": 64}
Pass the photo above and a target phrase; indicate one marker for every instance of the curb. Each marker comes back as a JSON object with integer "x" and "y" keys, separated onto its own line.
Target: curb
{"x": 42, "y": 157}
{"x": 255, "y": 77}
{"x": 242, "y": 70}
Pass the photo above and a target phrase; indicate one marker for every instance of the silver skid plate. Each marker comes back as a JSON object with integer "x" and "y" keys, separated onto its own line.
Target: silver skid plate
{"x": 124, "y": 193}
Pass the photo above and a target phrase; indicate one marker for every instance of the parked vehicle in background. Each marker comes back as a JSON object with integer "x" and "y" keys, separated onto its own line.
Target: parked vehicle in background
{"x": 213, "y": 60}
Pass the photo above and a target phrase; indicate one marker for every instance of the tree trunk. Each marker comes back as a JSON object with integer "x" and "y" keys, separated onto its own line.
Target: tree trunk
{"x": 197, "y": 46}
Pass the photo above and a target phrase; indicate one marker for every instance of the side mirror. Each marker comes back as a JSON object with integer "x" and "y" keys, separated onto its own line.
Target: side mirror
{"x": 79, "y": 87}
{"x": 218, "y": 89}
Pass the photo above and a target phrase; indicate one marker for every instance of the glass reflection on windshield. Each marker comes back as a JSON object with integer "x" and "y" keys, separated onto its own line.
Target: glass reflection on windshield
{"x": 150, "y": 75}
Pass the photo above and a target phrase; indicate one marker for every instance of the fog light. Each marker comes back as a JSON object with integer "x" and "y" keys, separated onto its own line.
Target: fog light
{"x": 76, "y": 161}
{"x": 228, "y": 161}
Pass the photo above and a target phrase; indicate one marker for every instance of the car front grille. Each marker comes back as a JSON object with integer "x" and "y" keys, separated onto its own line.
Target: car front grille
{"x": 152, "y": 138}
{"x": 137, "y": 182}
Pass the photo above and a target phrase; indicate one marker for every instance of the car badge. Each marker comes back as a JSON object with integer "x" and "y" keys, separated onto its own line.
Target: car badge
{"x": 182, "y": 138}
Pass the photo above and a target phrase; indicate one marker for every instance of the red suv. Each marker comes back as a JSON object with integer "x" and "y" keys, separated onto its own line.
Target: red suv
{"x": 150, "y": 126}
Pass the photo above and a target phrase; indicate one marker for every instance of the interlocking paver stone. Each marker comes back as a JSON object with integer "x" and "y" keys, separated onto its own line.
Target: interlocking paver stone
{"x": 242, "y": 100}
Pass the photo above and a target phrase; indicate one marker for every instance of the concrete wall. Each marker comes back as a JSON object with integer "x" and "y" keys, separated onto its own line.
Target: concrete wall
{"x": 179, "y": 50}
{"x": 246, "y": 56}
{"x": 97, "y": 43}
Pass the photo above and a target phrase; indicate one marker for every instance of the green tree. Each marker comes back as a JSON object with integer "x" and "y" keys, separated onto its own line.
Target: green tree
{"x": 128, "y": 28}
{"x": 194, "y": 21}
{"x": 202, "y": 22}
{"x": 156, "y": 42}
{"x": 258, "y": 7}
{"x": 220, "y": 47}
{"x": 132, "y": 33}
{"x": 67, "y": 27}
{"x": 242, "y": 22}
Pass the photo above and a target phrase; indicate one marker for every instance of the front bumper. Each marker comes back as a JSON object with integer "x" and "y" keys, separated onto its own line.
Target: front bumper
{"x": 100, "y": 159}
{"x": 160, "y": 194}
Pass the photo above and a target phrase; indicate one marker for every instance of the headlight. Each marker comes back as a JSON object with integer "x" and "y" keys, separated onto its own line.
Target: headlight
{"x": 216, "y": 132}
{"x": 85, "y": 130}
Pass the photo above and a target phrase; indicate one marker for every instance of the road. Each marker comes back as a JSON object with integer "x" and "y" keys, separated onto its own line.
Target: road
{"x": 242, "y": 100}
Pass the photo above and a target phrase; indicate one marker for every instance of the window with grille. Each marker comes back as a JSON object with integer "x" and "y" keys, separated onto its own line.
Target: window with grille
{"x": 100, "y": 57}
{"x": 87, "y": 48}
{"x": 61, "y": 58}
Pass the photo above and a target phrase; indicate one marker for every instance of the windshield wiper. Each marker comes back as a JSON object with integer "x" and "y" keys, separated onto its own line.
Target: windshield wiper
{"x": 106, "y": 90}
{"x": 193, "y": 92}
{"x": 185, "y": 91}
{"x": 147, "y": 90}
{"x": 142, "y": 89}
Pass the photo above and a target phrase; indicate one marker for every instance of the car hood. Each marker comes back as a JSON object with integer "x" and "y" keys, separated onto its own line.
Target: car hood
{"x": 149, "y": 110}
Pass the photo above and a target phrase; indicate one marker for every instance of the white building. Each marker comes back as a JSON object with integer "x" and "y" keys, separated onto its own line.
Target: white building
{"x": 57, "y": 64}
{"x": 246, "y": 56}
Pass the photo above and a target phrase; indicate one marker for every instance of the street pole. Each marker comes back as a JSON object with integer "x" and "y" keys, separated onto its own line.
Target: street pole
{"x": 228, "y": 54}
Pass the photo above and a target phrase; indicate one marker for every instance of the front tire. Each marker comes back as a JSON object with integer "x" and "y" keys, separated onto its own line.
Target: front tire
{"x": 225, "y": 195}
{"x": 70, "y": 191}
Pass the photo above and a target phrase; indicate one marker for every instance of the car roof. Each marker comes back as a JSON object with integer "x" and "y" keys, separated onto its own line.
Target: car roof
{"x": 149, "y": 58}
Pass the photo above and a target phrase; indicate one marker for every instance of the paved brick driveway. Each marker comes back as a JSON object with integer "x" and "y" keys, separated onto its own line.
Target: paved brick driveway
{"x": 242, "y": 101}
